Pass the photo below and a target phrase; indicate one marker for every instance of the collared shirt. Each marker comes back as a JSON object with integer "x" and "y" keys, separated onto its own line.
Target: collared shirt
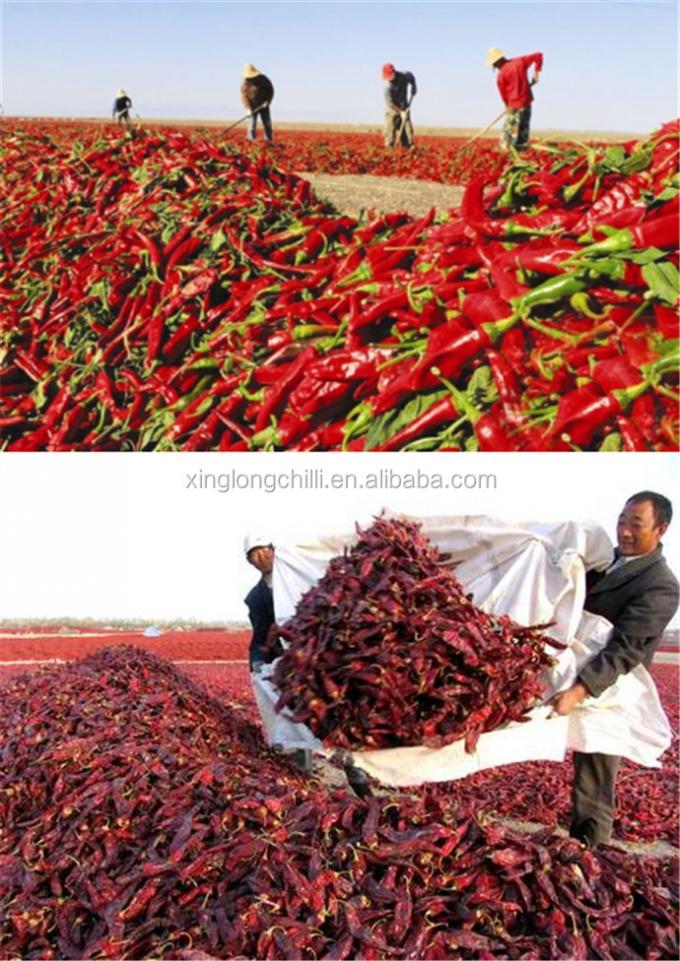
{"x": 622, "y": 559}
{"x": 513, "y": 84}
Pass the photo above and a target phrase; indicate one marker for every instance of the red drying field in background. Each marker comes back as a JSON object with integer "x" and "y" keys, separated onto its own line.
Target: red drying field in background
{"x": 171, "y": 291}
{"x": 647, "y": 806}
{"x": 199, "y": 645}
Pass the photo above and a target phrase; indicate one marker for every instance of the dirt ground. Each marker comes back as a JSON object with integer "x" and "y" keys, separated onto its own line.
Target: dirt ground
{"x": 354, "y": 194}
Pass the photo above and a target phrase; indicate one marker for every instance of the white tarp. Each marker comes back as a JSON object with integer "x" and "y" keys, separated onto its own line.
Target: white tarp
{"x": 534, "y": 572}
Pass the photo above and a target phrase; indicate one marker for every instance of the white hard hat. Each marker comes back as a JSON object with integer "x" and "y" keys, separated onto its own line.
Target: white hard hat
{"x": 255, "y": 540}
{"x": 121, "y": 93}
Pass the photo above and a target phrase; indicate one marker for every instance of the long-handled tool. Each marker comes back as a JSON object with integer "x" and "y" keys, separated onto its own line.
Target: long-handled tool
{"x": 231, "y": 126}
{"x": 480, "y": 133}
{"x": 247, "y": 117}
{"x": 404, "y": 117}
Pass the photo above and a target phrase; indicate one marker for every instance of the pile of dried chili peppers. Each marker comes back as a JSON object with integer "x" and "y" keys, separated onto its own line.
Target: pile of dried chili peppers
{"x": 166, "y": 292}
{"x": 647, "y": 802}
{"x": 141, "y": 818}
{"x": 387, "y": 650}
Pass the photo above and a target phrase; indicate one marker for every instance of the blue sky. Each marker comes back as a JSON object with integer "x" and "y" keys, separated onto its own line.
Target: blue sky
{"x": 608, "y": 65}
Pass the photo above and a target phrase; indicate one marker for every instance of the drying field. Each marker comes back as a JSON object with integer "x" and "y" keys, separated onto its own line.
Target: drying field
{"x": 142, "y": 816}
{"x": 175, "y": 289}
{"x": 648, "y": 809}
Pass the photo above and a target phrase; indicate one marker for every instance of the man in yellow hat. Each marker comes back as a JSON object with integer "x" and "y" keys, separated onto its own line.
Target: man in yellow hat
{"x": 121, "y": 108}
{"x": 257, "y": 93}
{"x": 400, "y": 89}
{"x": 515, "y": 90}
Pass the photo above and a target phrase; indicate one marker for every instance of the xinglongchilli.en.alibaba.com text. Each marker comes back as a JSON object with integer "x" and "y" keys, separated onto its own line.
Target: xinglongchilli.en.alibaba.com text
{"x": 311, "y": 479}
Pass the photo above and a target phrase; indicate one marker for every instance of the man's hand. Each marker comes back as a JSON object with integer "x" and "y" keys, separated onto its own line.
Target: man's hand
{"x": 566, "y": 701}
{"x": 534, "y": 79}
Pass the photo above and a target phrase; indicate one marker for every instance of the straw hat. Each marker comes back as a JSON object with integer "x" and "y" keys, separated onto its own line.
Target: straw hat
{"x": 493, "y": 56}
{"x": 121, "y": 93}
{"x": 388, "y": 71}
{"x": 249, "y": 71}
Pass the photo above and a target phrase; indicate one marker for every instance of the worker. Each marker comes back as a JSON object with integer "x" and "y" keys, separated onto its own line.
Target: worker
{"x": 257, "y": 93}
{"x": 260, "y": 602}
{"x": 121, "y": 108}
{"x": 259, "y": 552}
{"x": 515, "y": 90}
{"x": 638, "y": 594}
{"x": 400, "y": 89}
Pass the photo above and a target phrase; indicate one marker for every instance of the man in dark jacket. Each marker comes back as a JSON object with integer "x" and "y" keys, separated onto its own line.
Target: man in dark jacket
{"x": 400, "y": 89}
{"x": 121, "y": 108}
{"x": 257, "y": 92}
{"x": 639, "y": 595}
{"x": 260, "y": 602}
{"x": 514, "y": 87}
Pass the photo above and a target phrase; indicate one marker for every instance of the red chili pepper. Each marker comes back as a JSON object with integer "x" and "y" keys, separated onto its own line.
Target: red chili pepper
{"x": 492, "y": 435}
{"x": 199, "y": 284}
{"x": 440, "y": 412}
{"x": 631, "y": 435}
{"x": 661, "y": 232}
{"x": 667, "y": 320}
{"x": 485, "y": 306}
{"x": 614, "y": 373}
{"x": 148, "y": 244}
{"x": 622, "y": 197}
{"x": 582, "y": 413}
{"x": 281, "y": 390}
{"x": 645, "y": 417}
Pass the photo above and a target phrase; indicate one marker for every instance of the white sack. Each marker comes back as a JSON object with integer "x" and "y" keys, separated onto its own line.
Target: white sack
{"x": 535, "y": 573}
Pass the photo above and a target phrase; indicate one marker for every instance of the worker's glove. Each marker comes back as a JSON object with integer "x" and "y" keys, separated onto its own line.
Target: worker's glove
{"x": 534, "y": 79}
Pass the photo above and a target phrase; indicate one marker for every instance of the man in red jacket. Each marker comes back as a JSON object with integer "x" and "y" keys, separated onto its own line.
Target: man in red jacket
{"x": 515, "y": 90}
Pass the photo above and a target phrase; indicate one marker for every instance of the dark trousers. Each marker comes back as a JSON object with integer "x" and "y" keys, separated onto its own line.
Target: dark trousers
{"x": 593, "y": 797}
{"x": 265, "y": 116}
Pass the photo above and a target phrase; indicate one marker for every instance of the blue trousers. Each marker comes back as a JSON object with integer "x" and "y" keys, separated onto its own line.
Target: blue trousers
{"x": 265, "y": 116}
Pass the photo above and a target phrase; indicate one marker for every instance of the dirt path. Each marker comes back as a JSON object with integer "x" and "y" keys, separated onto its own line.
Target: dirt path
{"x": 353, "y": 194}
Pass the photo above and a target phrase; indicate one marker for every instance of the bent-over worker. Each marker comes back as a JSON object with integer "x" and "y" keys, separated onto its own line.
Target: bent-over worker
{"x": 400, "y": 89}
{"x": 515, "y": 89}
{"x": 121, "y": 108}
{"x": 257, "y": 93}
{"x": 638, "y": 593}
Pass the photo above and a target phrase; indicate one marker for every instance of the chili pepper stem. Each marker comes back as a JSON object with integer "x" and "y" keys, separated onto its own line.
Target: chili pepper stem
{"x": 633, "y": 317}
{"x": 549, "y": 332}
{"x": 667, "y": 392}
{"x": 462, "y": 403}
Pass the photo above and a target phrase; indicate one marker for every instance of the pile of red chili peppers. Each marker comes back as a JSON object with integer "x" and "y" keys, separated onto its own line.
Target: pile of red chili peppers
{"x": 165, "y": 292}
{"x": 387, "y": 650}
{"x": 141, "y": 818}
{"x": 647, "y": 803}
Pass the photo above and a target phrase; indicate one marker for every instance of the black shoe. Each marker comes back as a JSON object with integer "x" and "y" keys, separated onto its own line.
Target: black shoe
{"x": 358, "y": 780}
{"x": 302, "y": 759}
